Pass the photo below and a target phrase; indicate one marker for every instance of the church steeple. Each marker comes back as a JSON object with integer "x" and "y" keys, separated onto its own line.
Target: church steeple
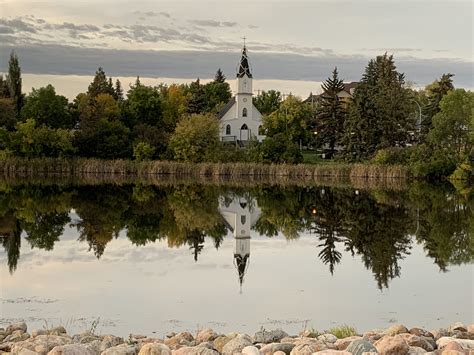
{"x": 244, "y": 67}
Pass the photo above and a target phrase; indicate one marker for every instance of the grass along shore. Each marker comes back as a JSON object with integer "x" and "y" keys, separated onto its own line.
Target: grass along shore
{"x": 80, "y": 167}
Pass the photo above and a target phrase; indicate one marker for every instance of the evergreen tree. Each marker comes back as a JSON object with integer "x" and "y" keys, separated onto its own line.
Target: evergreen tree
{"x": 118, "y": 91}
{"x": 220, "y": 77}
{"x": 197, "y": 102}
{"x": 4, "y": 91}
{"x": 379, "y": 114}
{"x": 331, "y": 113}
{"x": 436, "y": 91}
{"x": 14, "y": 82}
{"x": 100, "y": 84}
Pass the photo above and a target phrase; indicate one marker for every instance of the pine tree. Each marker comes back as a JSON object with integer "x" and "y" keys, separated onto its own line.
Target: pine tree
{"x": 196, "y": 98}
{"x": 14, "y": 82}
{"x": 331, "y": 113}
{"x": 436, "y": 91}
{"x": 220, "y": 77}
{"x": 118, "y": 91}
{"x": 379, "y": 114}
{"x": 100, "y": 84}
{"x": 4, "y": 91}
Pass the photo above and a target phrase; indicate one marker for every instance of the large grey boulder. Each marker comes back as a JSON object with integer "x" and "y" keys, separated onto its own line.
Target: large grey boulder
{"x": 269, "y": 336}
{"x": 359, "y": 346}
{"x": 237, "y": 344}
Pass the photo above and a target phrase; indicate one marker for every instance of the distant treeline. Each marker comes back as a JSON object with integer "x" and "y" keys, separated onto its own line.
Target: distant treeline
{"x": 385, "y": 122}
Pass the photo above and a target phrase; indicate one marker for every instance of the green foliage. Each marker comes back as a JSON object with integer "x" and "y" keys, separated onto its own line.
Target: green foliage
{"x": 217, "y": 93}
{"x": 331, "y": 113}
{"x": 279, "y": 148}
{"x": 196, "y": 98}
{"x": 7, "y": 113}
{"x": 453, "y": 126}
{"x": 47, "y": 108}
{"x": 267, "y": 101}
{"x": 143, "y": 106}
{"x": 31, "y": 140}
{"x": 429, "y": 163}
{"x": 464, "y": 171}
{"x": 195, "y": 137}
{"x": 14, "y": 82}
{"x": 143, "y": 151}
{"x": 392, "y": 156}
{"x": 343, "y": 331}
{"x": 379, "y": 112}
{"x": 100, "y": 85}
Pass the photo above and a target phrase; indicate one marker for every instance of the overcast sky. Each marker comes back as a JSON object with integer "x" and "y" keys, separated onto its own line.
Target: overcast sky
{"x": 300, "y": 40}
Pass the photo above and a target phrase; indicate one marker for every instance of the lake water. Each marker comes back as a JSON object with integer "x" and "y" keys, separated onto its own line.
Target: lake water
{"x": 150, "y": 260}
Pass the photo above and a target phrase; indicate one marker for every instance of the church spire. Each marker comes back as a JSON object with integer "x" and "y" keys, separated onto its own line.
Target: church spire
{"x": 244, "y": 67}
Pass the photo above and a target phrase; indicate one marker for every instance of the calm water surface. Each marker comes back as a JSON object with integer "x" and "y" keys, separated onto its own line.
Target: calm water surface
{"x": 151, "y": 260}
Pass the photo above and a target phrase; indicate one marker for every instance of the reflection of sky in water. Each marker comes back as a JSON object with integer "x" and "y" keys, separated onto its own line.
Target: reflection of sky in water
{"x": 154, "y": 288}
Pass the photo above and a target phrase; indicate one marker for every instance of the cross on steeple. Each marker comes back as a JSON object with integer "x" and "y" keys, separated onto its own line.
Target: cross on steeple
{"x": 244, "y": 38}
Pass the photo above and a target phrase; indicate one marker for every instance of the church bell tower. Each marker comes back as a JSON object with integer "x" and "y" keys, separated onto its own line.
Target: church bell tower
{"x": 243, "y": 97}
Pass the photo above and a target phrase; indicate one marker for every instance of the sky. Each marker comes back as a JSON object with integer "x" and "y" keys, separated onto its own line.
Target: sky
{"x": 287, "y": 40}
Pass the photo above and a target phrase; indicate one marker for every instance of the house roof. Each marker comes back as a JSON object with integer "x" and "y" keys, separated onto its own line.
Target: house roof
{"x": 226, "y": 108}
{"x": 347, "y": 88}
{"x": 244, "y": 67}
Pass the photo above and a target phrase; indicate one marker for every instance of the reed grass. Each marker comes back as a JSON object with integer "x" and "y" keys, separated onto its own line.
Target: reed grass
{"x": 81, "y": 167}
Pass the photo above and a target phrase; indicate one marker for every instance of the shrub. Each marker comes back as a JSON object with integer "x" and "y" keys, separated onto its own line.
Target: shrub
{"x": 431, "y": 163}
{"x": 392, "y": 156}
{"x": 143, "y": 151}
{"x": 343, "y": 331}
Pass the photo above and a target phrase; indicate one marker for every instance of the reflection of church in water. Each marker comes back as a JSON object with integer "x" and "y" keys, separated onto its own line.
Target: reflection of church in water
{"x": 240, "y": 214}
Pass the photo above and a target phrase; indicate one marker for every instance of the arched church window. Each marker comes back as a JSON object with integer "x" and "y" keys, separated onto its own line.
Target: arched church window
{"x": 244, "y": 112}
{"x": 227, "y": 129}
{"x": 244, "y": 127}
{"x": 243, "y": 219}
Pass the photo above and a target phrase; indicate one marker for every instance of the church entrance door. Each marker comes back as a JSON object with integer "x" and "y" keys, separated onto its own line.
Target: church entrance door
{"x": 244, "y": 133}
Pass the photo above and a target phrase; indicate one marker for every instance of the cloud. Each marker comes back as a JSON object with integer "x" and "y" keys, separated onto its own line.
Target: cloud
{"x": 18, "y": 25}
{"x": 6, "y": 30}
{"x": 62, "y": 59}
{"x": 213, "y": 23}
{"x": 152, "y": 14}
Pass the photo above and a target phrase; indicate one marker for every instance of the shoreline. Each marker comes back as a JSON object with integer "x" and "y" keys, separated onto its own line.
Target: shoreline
{"x": 397, "y": 339}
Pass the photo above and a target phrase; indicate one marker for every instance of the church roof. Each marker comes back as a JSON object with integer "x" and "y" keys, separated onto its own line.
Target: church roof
{"x": 244, "y": 67}
{"x": 226, "y": 108}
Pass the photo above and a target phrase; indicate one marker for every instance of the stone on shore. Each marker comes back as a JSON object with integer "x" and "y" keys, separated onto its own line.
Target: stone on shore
{"x": 415, "y": 350}
{"x": 155, "y": 349}
{"x": 342, "y": 344}
{"x": 236, "y": 344}
{"x": 250, "y": 350}
{"x": 327, "y": 338}
{"x": 180, "y": 340}
{"x": 360, "y": 346}
{"x": 420, "y": 332}
{"x": 122, "y": 349}
{"x": 16, "y": 326}
{"x": 458, "y": 326}
{"x": 220, "y": 341}
{"x": 206, "y": 335}
{"x": 396, "y": 329}
{"x": 42, "y": 344}
{"x": 332, "y": 352}
{"x": 17, "y": 335}
{"x": 308, "y": 348}
{"x": 419, "y": 341}
{"x": 465, "y": 343}
{"x": 269, "y": 336}
{"x": 274, "y": 348}
{"x": 196, "y": 350}
{"x": 71, "y": 349}
{"x": 109, "y": 341}
{"x": 392, "y": 345}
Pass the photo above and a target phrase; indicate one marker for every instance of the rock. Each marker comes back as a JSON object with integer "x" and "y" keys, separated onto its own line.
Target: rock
{"x": 439, "y": 333}
{"x": 122, "y": 349}
{"x": 465, "y": 343}
{"x": 86, "y": 338}
{"x": 179, "y": 340}
{"x": 274, "y": 348}
{"x": 308, "y": 348}
{"x": 453, "y": 346}
{"x": 470, "y": 328}
{"x": 359, "y": 346}
{"x": 27, "y": 352}
{"x": 288, "y": 340}
{"x": 396, "y": 329}
{"x": 37, "y": 332}
{"x": 374, "y": 335}
{"x": 42, "y": 343}
{"x": 327, "y": 338}
{"x": 155, "y": 349}
{"x": 454, "y": 352}
{"x": 458, "y": 326}
{"x": 269, "y": 336}
{"x": 389, "y": 345}
{"x": 250, "y": 350}
{"x": 425, "y": 343}
{"x": 342, "y": 344}
{"x": 16, "y": 326}
{"x": 17, "y": 335}
{"x": 206, "y": 335}
{"x": 197, "y": 350}
{"x": 332, "y": 352}
{"x": 57, "y": 331}
{"x": 279, "y": 353}
{"x": 420, "y": 332}
{"x": 236, "y": 344}
{"x": 71, "y": 349}
{"x": 220, "y": 341}
{"x": 109, "y": 341}
{"x": 415, "y": 350}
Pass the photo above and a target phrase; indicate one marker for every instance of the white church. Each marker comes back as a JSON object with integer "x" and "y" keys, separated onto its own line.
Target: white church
{"x": 240, "y": 121}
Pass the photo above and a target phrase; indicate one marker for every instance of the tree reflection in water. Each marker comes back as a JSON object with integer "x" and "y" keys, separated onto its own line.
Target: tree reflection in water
{"x": 377, "y": 225}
